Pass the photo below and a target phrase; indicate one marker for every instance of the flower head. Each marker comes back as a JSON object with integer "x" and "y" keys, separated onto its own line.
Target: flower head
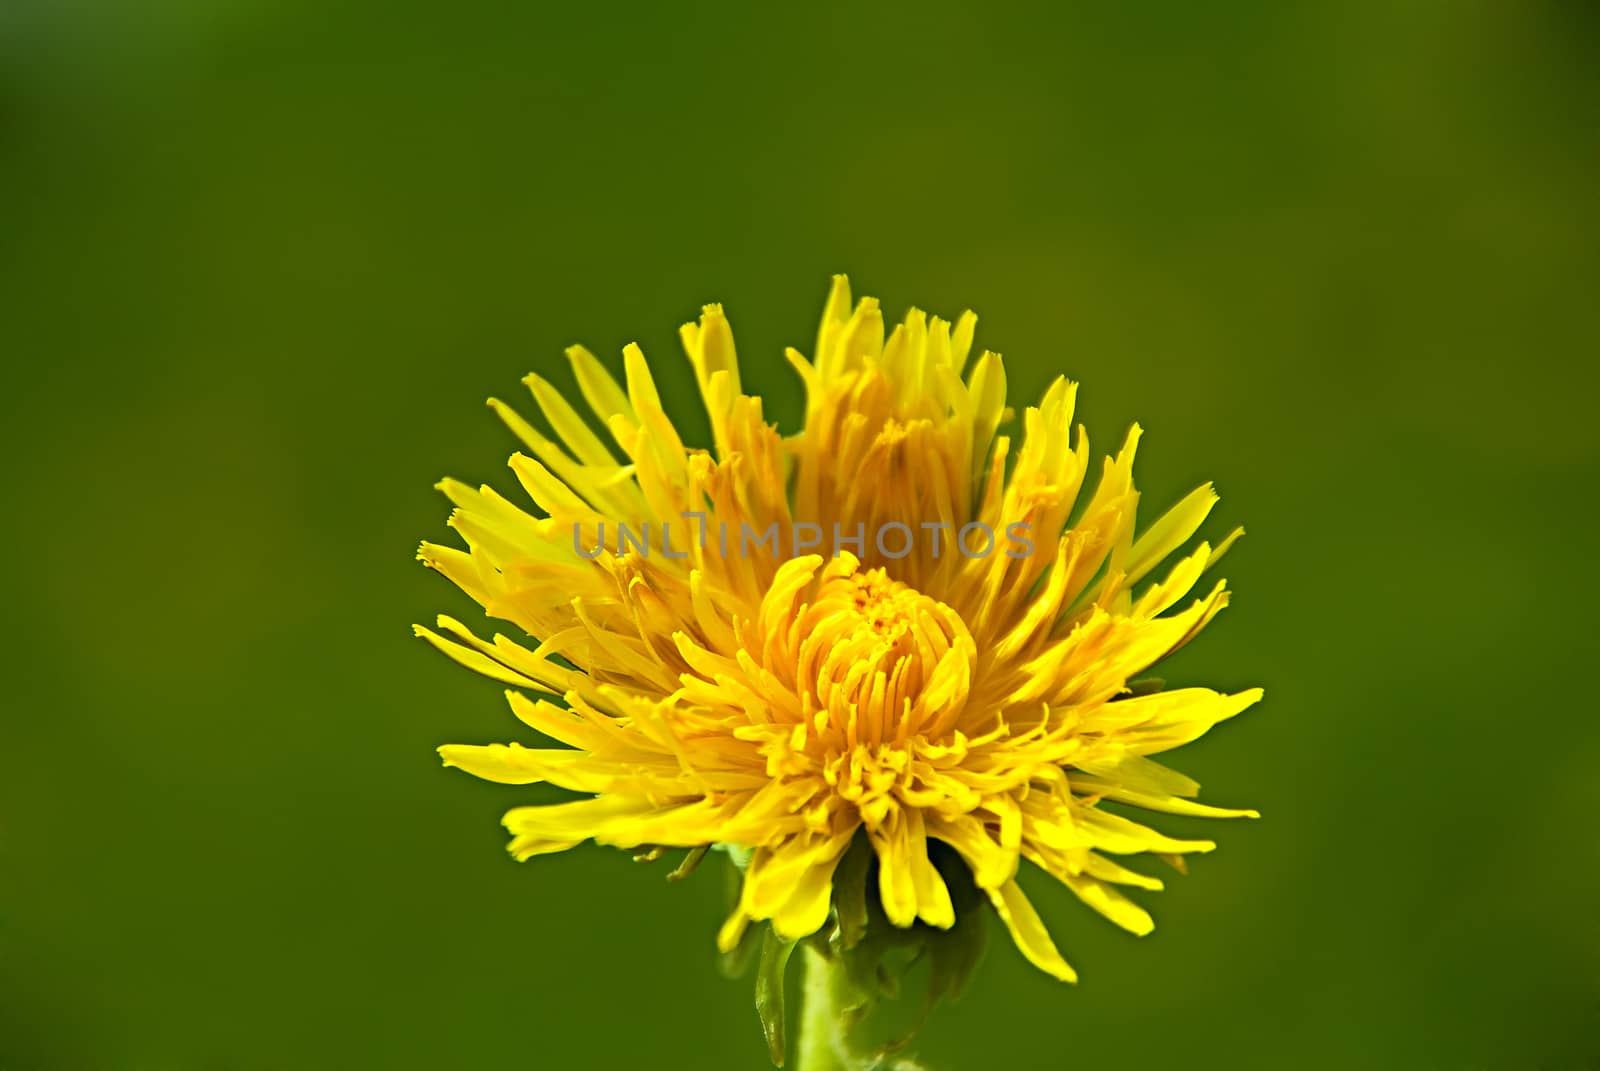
{"x": 893, "y": 624}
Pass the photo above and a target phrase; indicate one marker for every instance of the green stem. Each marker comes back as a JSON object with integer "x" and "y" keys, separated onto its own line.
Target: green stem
{"x": 822, "y": 1043}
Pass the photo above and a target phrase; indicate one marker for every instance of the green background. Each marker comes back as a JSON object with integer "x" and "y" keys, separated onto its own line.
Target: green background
{"x": 260, "y": 264}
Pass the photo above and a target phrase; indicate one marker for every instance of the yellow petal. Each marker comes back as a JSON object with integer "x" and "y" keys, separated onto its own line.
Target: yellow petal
{"x": 559, "y": 826}
{"x": 474, "y": 660}
{"x": 1169, "y": 533}
{"x": 807, "y": 907}
{"x": 1032, "y": 939}
{"x": 1111, "y": 903}
{"x": 992, "y": 865}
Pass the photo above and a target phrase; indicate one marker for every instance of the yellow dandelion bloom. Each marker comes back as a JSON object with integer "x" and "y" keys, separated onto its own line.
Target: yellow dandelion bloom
{"x": 893, "y": 622}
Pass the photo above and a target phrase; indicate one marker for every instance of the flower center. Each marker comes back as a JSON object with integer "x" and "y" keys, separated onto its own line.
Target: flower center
{"x": 880, "y": 662}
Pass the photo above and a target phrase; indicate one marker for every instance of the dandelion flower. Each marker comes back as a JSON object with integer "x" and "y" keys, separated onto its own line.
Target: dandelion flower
{"x": 895, "y": 624}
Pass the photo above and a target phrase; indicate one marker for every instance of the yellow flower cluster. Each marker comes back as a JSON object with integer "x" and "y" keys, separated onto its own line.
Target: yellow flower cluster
{"x": 781, "y": 698}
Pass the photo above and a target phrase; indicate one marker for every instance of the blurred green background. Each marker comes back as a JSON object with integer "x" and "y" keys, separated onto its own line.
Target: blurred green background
{"x": 260, "y": 263}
